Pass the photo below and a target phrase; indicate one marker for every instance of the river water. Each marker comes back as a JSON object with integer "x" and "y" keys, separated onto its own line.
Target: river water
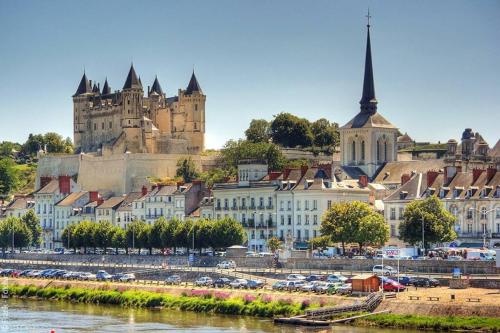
{"x": 27, "y": 316}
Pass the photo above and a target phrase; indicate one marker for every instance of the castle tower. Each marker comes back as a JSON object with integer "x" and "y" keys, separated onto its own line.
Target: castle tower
{"x": 156, "y": 100}
{"x": 80, "y": 103}
{"x": 132, "y": 95}
{"x": 368, "y": 140}
{"x": 192, "y": 101}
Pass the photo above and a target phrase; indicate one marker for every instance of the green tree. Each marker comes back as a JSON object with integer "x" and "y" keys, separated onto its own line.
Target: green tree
{"x": 135, "y": 235}
{"x": 373, "y": 230}
{"x": 168, "y": 235}
{"x": 119, "y": 239}
{"x": 325, "y": 133}
{"x": 157, "y": 230}
{"x": 13, "y": 227}
{"x": 68, "y": 237}
{"x": 54, "y": 143}
{"x": 235, "y": 151}
{"x": 216, "y": 175}
{"x": 33, "y": 144}
{"x": 291, "y": 131}
{"x": 225, "y": 232}
{"x": 320, "y": 243}
{"x": 84, "y": 235}
{"x": 33, "y": 223}
{"x": 9, "y": 178}
{"x": 103, "y": 235}
{"x": 342, "y": 221}
{"x": 186, "y": 169}
{"x": 438, "y": 222}
{"x": 258, "y": 131}
{"x": 274, "y": 244}
{"x": 8, "y": 148}
{"x": 183, "y": 236}
{"x": 201, "y": 233}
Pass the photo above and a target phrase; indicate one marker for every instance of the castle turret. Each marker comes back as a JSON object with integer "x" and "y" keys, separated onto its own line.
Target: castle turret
{"x": 80, "y": 102}
{"x": 132, "y": 95}
{"x": 106, "y": 89}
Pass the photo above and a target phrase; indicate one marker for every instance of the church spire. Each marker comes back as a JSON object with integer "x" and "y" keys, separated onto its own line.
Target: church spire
{"x": 368, "y": 100}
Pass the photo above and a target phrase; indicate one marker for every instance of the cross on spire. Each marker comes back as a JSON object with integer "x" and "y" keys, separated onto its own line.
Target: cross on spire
{"x": 368, "y": 17}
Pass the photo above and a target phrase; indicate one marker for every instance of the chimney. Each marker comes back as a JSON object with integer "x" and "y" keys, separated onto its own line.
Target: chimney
{"x": 153, "y": 187}
{"x": 100, "y": 201}
{"x": 93, "y": 196}
{"x": 303, "y": 170}
{"x": 180, "y": 183}
{"x": 44, "y": 180}
{"x": 64, "y": 184}
{"x": 286, "y": 173}
{"x": 449, "y": 173}
{"x": 475, "y": 174}
{"x": 405, "y": 178}
{"x": 363, "y": 180}
{"x": 144, "y": 190}
{"x": 490, "y": 173}
{"x": 431, "y": 177}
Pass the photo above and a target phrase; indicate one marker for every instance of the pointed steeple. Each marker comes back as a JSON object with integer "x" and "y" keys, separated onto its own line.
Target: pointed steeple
{"x": 132, "y": 82}
{"x": 193, "y": 85}
{"x": 84, "y": 86}
{"x": 95, "y": 89}
{"x": 368, "y": 100}
{"x": 106, "y": 89}
{"x": 156, "y": 87}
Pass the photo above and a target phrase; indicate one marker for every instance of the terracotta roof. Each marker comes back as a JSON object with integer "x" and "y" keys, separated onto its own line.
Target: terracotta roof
{"x": 111, "y": 202}
{"x": 392, "y": 171}
{"x": 71, "y": 198}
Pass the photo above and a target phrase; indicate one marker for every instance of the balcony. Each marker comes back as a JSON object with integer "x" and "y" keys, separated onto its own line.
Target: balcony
{"x": 226, "y": 207}
{"x": 261, "y": 207}
{"x": 218, "y": 207}
{"x": 153, "y": 216}
{"x": 243, "y": 207}
{"x": 495, "y": 235}
{"x": 252, "y": 207}
{"x": 269, "y": 207}
{"x": 234, "y": 207}
{"x": 477, "y": 235}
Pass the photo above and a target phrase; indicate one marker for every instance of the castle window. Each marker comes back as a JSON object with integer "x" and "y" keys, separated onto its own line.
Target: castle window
{"x": 385, "y": 151}
{"x": 363, "y": 150}
{"x": 102, "y": 125}
{"x": 194, "y": 125}
{"x": 196, "y": 107}
{"x": 110, "y": 125}
{"x": 354, "y": 151}
{"x": 95, "y": 126}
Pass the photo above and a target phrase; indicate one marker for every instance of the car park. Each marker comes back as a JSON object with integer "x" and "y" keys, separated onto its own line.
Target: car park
{"x": 86, "y": 276}
{"x": 336, "y": 278}
{"x": 238, "y": 283}
{"x": 323, "y": 288}
{"x": 203, "y": 281}
{"x": 293, "y": 285}
{"x": 315, "y": 277}
{"x": 173, "y": 279}
{"x": 127, "y": 277}
{"x": 221, "y": 282}
{"x": 404, "y": 280}
{"x": 227, "y": 264}
{"x": 384, "y": 270}
{"x": 394, "y": 286}
{"x": 346, "y": 289}
{"x": 332, "y": 287}
{"x": 296, "y": 277}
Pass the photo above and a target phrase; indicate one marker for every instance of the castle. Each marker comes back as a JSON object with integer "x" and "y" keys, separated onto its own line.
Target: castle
{"x": 110, "y": 123}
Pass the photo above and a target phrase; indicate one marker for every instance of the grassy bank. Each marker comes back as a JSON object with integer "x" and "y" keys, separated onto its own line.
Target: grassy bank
{"x": 197, "y": 300}
{"x": 450, "y": 323}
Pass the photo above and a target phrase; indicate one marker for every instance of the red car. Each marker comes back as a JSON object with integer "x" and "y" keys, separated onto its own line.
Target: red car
{"x": 394, "y": 286}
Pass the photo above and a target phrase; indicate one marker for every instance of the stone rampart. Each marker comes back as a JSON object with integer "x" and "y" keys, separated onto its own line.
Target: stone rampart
{"x": 117, "y": 173}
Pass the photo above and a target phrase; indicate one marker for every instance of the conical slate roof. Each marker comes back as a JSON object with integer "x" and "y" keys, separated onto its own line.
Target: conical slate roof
{"x": 368, "y": 98}
{"x": 106, "y": 89}
{"x": 193, "y": 85}
{"x": 84, "y": 86}
{"x": 156, "y": 87}
{"x": 132, "y": 82}
{"x": 95, "y": 89}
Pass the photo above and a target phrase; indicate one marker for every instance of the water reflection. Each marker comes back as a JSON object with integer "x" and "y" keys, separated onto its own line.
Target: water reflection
{"x": 22, "y": 316}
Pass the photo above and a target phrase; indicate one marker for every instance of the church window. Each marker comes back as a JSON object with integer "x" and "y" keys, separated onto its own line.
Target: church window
{"x": 110, "y": 125}
{"x": 354, "y": 151}
{"x": 385, "y": 151}
{"x": 102, "y": 125}
{"x": 363, "y": 150}
{"x": 95, "y": 126}
{"x": 196, "y": 107}
{"x": 378, "y": 151}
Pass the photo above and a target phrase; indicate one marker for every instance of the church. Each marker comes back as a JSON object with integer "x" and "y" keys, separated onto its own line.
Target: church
{"x": 368, "y": 141}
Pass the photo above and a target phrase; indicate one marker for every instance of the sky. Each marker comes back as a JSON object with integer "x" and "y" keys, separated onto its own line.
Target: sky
{"x": 436, "y": 63}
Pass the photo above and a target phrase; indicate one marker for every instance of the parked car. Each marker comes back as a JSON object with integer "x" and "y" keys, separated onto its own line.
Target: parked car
{"x": 34, "y": 273}
{"x": 394, "y": 286}
{"x": 255, "y": 284}
{"x": 25, "y": 273}
{"x": 117, "y": 276}
{"x": 359, "y": 257}
{"x": 315, "y": 277}
{"x": 173, "y": 279}
{"x": 424, "y": 282}
{"x": 455, "y": 258}
{"x": 221, "y": 282}
{"x": 404, "y": 280}
{"x": 203, "y": 281}
{"x": 238, "y": 283}
{"x": 226, "y": 264}
{"x": 6, "y": 272}
{"x": 294, "y": 285}
{"x": 127, "y": 277}
{"x": 278, "y": 285}
{"x": 384, "y": 270}
{"x": 332, "y": 288}
{"x": 336, "y": 278}
{"x": 323, "y": 289}
{"x": 296, "y": 277}
{"x": 346, "y": 289}
{"x": 86, "y": 276}
{"x": 103, "y": 276}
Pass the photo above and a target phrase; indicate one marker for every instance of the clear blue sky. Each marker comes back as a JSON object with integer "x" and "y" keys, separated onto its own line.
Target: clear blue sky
{"x": 436, "y": 63}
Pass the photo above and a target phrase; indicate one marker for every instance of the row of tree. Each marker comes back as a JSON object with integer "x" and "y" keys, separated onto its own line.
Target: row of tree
{"x": 20, "y": 232}
{"x": 201, "y": 234}
{"x": 288, "y": 130}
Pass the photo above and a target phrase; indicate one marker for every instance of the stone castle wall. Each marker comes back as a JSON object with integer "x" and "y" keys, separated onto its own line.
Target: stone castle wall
{"x": 117, "y": 173}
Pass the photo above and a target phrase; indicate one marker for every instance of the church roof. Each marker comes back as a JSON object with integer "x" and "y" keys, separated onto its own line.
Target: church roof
{"x": 156, "y": 87}
{"x": 193, "y": 85}
{"x": 405, "y": 138}
{"x": 84, "y": 86}
{"x": 368, "y": 82}
{"x": 95, "y": 89}
{"x": 132, "y": 82}
{"x": 364, "y": 120}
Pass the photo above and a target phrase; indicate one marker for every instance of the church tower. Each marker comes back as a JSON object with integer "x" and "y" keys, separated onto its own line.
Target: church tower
{"x": 368, "y": 141}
